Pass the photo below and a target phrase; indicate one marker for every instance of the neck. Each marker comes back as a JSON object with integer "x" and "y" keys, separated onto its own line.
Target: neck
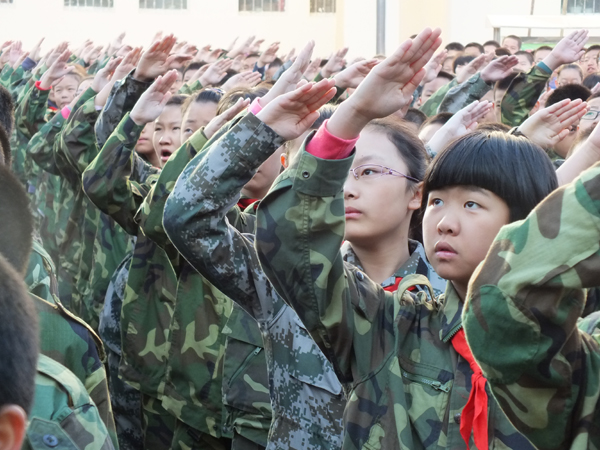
{"x": 381, "y": 260}
{"x": 253, "y": 193}
{"x": 461, "y": 289}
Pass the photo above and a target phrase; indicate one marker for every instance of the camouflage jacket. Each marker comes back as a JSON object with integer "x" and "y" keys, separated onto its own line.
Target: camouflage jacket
{"x": 406, "y": 384}
{"x": 523, "y": 319}
{"x": 63, "y": 415}
{"x": 41, "y": 274}
{"x": 117, "y": 182}
{"x": 523, "y": 93}
{"x": 417, "y": 264}
{"x": 68, "y": 340}
{"x": 464, "y": 94}
{"x": 306, "y": 396}
{"x": 430, "y": 107}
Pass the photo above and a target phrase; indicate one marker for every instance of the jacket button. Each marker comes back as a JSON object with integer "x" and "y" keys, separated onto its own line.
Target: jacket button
{"x": 360, "y": 276}
{"x": 50, "y": 440}
{"x": 457, "y": 418}
{"x": 305, "y": 174}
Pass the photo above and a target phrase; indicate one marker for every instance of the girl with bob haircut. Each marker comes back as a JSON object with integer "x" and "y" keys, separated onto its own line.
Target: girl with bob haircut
{"x": 401, "y": 356}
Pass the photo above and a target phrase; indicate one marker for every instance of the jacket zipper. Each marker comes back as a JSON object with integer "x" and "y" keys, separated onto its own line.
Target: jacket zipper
{"x": 454, "y": 330}
{"x": 245, "y": 363}
{"x": 428, "y": 381}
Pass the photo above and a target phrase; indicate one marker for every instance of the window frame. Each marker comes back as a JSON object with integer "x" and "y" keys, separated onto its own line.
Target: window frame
{"x": 183, "y": 5}
{"x": 328, "y": 6}
{"x": 69, "y": 4}
{"x": 572, "y": 7}
{"x": 253, "y": 9}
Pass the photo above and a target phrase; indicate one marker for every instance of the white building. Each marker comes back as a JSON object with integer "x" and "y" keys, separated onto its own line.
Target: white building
{"x": 332, "y": 23}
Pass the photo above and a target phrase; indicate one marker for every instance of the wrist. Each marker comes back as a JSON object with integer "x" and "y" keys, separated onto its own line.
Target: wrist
{"x": 137, "y": 119}
{"x": 347, "y": 122}
{"x": 552, "y": 62}
{"x": 141, "y": 76}
{"x": 325, "y": 73}
{"x": 45, "y": 83}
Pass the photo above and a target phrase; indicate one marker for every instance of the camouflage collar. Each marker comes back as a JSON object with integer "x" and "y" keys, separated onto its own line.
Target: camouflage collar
{"x": 416, "y": 263}
{"x": 452, "y": 313}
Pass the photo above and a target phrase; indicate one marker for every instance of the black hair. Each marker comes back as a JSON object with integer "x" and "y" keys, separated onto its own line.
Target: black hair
{"x": 455, "y": 46}
{"x": 230, "y": 73}
{"x": 516, "y": 38}
{"x": 438, "y": 119}
{"x": 502, "y": 52}
{"x": 591, "y": 80}
{"x": 477, "y": 45}
{"x": 592, "y": 48}
{"x": 413, "y": 115}
{"x": 207, "y": 95}
{"x": 193, "y": 66}
{"x": 16, "y": 226}
{"x": 446, "y": 75}
{"x": 494, "y": 43}
{"x": 277, "y": 62}
{"x": 19, "y": 334}
{"x": 493, "y": 126}
{"x": 513, "y": 168}
{"x": 177, "y": 100}
{"x": 542, "y": 47}
{"x": 253, "y": 55}
{"x": 462, "y": 61}
{"x": 570, "y": 91}
{"x": 505, "y": 82}
{"x": 593, "y": 96}
{"x": 7, "y": 110}
{"x": 234, "y": 95}
{"x": 527, "y": 54}
{"x": 5, "y": 147}
{"x": 571, "y": 67}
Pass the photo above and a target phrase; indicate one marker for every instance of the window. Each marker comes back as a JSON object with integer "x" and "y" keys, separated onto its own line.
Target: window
{"x": 5, "y": 1}
{"x": 163, "y": 4}
{"x": 96, "y": 3}
{"x": 263, "y": 5}
{"x": 322, "y": 6}
{"x": 583, "y": 7}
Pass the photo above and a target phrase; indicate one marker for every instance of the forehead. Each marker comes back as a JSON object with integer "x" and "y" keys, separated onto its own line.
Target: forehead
{"x": 374, "y": 146}
{"x": 569, "y": 73}
{"x": 594, "y": 103}
{"x": 200, "y": 108}
{"x": 172, "y": 113}
{"x": 68, "y": 81}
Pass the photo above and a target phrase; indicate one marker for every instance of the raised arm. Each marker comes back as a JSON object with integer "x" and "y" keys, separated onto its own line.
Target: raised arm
{"x": 521, "y": 318}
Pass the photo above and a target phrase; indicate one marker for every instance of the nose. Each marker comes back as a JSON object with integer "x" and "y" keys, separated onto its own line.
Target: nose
{"x": 448, "y": 224}
{"x": 165, "y": 139}
{"x": 350, "y": 187}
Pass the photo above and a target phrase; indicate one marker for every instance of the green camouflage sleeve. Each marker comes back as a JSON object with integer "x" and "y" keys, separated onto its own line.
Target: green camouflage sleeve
{"x": 122, "y": 99}
{"x": 300, "y": 229}
{"x": 522, "y": 312}
{"x": 195, "y": 213}
{"x": 40, "y": 148}
{"x": 464, "y": 94}
{"x": 190, "y": 89}
{"x": 41, "y": 274}
{"x": 5, "y": 75}
{"x": 63, "y": 415}
{"x": 522, "y": 95}
{"x": 108, "y": 180}
{"x": 430, "y": 108}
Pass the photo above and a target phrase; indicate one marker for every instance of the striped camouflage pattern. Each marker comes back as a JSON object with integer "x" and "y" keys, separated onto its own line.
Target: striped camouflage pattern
{"x": 307, "y": 398}
{"x": 523, "y": 318}
{"x": 522, "y": 95}
{"x": 63, "y": 415}
{"x": 406, "y": 385}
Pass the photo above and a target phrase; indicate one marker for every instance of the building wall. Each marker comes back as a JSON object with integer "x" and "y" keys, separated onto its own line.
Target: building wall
{"x": 216, "y": 22}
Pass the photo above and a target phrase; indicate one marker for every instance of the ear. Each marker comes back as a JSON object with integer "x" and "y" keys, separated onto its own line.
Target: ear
{"x": 13, "y": 422}
{"x": 415, "y": 202}
{"x": 284, "y": 160}
{"x": 420, "y": 102}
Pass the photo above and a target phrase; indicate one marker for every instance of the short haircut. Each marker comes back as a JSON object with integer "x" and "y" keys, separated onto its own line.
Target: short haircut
{"x": 571, "y": 67}
{"x": 462, "y": 61}
{"x": 7, "y": 110}
{"x": 504, "y": 83}
{"x": 570, "y": 91}
{"x": 207, "y": 95}
{"x": 591, "y": 80}
{"x": 527, "y": 54}
{"x": 193, "y": 66}
{"x": 493, "y": 126}
{"x": 446, "y": 75}
{"x": 513, "y": 168}
{"x": 5, "y": 147}
{"x": 541, "y": 48}
{"x": 413, "y": 115}
{"x": 455, "y": 46}
{"x": 516, "y": 38}
{"x": 277, "y": 62}
{"x": 253, "y": 55}
{"x": 502, "y": 52}
{"x": 592, "y": 48}
{"x": 438, "y": 119}
{"x": 16, "y": 226}
{"x": 494, "y": 43}
{"x": 20, "y": 340}
{"x": 476, "y": 45}
{"x": 177, "y": 100}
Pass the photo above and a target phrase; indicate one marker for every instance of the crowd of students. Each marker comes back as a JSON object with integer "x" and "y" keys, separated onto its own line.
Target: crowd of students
{"x": 235, "y": 249}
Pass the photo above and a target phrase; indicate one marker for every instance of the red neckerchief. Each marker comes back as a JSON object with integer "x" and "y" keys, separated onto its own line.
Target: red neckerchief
{"x": 243, "y": 203}
{"x": 394, "y": 287}
{"x": 474, "y": 416}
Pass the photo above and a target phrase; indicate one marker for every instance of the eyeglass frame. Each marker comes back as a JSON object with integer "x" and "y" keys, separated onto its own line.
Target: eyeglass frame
{"x": 591, "y": 111}
{"x": 390, "y": 171}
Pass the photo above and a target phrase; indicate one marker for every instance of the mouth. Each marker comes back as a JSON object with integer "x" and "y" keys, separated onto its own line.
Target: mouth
{"x": 165, "y": 155}
{"x": 352, "y": 213}
{"x": 444, "y": 251}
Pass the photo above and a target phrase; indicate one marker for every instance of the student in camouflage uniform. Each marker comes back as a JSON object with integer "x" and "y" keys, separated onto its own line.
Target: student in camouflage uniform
{"x": 395, "y": 353}
{"x": 522, "y": 317}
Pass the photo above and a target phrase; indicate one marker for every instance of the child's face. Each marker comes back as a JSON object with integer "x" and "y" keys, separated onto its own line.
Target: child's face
{"x": 144, "y": 144}
{"x": 198, "y": 115}
{"x": 569, "y": 76}
{"x": 167, "y": 132}
{"x": 378, "y": 207}
{"x": 65, "y": 91}
{"x": 459, "y": 226}
{"x": 178, "y": 83}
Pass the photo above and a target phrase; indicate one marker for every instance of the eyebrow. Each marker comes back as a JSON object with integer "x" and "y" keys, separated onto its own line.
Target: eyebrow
{"x": 369, "y": 158}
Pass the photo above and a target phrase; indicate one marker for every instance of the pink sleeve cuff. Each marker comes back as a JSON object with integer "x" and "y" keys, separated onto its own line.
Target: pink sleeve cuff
{"x": 65, "y": 112}
{"x": 37, "y": 85}
{"x": 325, "y": 145}
{"x": 255, "y": 106}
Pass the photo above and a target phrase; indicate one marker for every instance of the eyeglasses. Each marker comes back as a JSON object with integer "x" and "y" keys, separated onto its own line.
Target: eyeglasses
{"x": 584, "y": 60}
{"x": 372, "y": 171}
{"x": 591, "y": 115}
